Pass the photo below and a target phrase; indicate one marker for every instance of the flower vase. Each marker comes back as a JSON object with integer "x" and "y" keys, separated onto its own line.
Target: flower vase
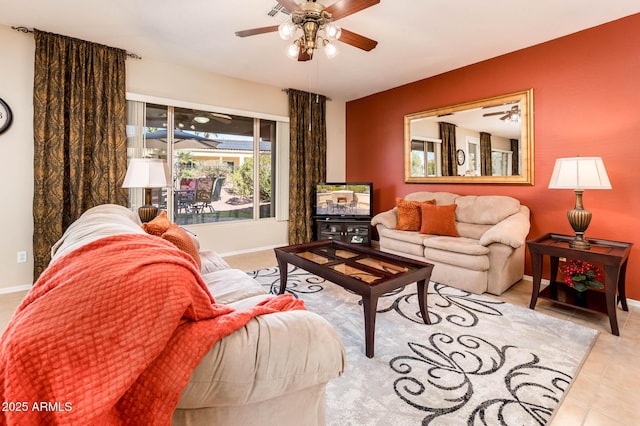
{"x": 580, "y": 298}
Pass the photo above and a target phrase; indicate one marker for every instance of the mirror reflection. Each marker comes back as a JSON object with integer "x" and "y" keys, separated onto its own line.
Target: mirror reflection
{"x": 485, "y": 141}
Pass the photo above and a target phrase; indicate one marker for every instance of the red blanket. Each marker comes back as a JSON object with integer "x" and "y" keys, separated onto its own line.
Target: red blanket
{"x": 110, "y": 334}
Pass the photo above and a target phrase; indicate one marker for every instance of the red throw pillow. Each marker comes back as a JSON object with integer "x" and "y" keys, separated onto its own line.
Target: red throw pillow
{"x": 409, "y": 215}
{"x": 158, "y": 225}
{"x": 183, "y": 241}
{"x": 439, "y": 220}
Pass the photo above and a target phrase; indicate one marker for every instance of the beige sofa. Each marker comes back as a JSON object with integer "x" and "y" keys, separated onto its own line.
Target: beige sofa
{"x": 488, "y": 255}
{"x": 272, "y": 371}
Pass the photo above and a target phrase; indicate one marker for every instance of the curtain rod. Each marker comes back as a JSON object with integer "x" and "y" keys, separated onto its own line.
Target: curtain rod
{"x": 28, "y": 31}
{"x": 326, "y": 97}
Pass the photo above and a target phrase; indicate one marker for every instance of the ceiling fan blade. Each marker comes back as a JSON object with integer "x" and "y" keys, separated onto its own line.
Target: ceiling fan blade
{"x": 343, "y": 8}
{"x": 290, "y": 5}
{"x": 221, "y": 116}
{"x": 489, "y": 114}
{"x": 357, "y": 40}
{"x": 256, "y": 31}
{"x": 303, "y": 55}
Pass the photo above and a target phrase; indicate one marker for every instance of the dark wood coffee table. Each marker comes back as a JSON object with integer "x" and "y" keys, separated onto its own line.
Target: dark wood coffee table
{"x": 363, "y": 270}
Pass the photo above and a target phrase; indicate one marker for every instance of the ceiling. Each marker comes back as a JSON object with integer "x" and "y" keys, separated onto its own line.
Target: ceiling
{"x": 417, "y": 39}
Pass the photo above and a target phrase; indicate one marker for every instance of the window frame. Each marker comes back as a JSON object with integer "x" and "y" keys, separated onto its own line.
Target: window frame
{"x": 281, "y": 163}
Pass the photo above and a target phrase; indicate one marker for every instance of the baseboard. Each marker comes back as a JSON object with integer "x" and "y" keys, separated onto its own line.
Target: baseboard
{"x": 251, "y": 250}
{"x": 15, "y": 289}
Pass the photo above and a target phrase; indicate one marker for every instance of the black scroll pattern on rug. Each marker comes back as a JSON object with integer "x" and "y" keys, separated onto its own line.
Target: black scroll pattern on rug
{"x": 461, "y": 307}
{"x": 299, "y": 281}
{"x": 446, "y": 366}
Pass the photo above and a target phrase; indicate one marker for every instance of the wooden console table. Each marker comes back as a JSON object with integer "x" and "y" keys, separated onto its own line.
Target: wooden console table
{"x": 612, "y": 255}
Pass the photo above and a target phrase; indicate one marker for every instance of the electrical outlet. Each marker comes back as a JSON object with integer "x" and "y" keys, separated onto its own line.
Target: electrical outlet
{"x": 22, "y": 257}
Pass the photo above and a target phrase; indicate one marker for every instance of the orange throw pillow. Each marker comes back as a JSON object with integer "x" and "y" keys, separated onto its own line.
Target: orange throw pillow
{"x": 409, "y": 214}
{"x": 439, "y": 220}
{"x": 183, "y": 241}
{"x": 158, "y": 225}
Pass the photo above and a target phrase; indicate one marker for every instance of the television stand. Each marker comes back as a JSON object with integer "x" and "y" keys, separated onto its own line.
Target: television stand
{"x": 349, "y": 230}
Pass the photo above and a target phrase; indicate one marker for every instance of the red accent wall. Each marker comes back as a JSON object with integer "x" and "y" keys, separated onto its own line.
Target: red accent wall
{"x": 586, "y": 92}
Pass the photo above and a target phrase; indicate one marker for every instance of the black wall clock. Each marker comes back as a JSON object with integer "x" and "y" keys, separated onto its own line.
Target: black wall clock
{"x": 5, "y": 116}
{"x": 460, "y": 154}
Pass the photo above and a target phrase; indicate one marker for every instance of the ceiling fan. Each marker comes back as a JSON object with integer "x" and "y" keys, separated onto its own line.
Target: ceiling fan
{"x": 311, "y": 17}
{"x": 510, "y": 115}
{"x": 195, "y": 117}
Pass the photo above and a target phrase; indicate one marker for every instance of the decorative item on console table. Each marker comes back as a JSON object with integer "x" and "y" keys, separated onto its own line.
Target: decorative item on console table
{"x": 579, "y": 173}
{"x": 612, "y": 255}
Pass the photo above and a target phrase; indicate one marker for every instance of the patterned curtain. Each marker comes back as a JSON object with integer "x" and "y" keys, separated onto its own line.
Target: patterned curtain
{"x": 80, "y": 141}
{"x": 485, "y": 154}
{"x": 307, "y": 160}
{"x": 448, "y": 137}
{"x": 515, "y": 157}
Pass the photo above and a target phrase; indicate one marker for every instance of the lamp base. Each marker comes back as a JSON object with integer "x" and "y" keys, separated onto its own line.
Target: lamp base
{"x": 147, "y": 213}
{"x": 579, "y": 219}
{"x": 579, "y": 242}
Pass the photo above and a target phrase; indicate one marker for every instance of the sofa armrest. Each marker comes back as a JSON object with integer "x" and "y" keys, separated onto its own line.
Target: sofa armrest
{"x": 388, "y": 219}
{"x": 511, "y": 231}
{"x": 212, "y": 261}
{"x": 272, "y": 355}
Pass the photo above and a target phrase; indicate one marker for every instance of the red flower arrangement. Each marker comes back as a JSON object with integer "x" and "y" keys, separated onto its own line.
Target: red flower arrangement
{"x": 582, "y": 275}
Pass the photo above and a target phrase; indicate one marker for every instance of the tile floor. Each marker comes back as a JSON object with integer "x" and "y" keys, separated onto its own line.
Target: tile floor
{"x": 606, "y": 389}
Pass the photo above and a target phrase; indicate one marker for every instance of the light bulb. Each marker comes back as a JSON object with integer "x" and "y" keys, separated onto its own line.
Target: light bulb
{"x": 330, "y": 50}
{"x": 333, "y": 31}
{"x": 286, "y": 30}
{"x": 293, "y": 50}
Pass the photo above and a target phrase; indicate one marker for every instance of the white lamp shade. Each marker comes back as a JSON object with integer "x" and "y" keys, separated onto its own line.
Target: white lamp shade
{"x": 147, "y": 173}
{"x": 579, "y": 173}
{"x": 286, "y": 30}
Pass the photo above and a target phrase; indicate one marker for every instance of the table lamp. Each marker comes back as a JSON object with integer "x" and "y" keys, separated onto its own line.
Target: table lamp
{"x": 579, "y": 173}
{"x": 147, "y": 173}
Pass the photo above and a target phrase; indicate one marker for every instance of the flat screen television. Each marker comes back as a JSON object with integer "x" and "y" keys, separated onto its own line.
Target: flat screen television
{"x": 343, "y": 199}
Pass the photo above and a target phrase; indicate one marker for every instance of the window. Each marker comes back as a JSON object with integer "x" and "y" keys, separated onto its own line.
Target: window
{"x": 425, "y": 157}
{"x": 222, "y": 165}
{"x": 501, "y": 162}
{"x": 473, "y": 150}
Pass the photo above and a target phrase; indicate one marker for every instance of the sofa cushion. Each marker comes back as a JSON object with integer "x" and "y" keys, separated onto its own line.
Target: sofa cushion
{"x": 231, "y": 285}
{"x": 181, "y": 239}
{"x": 457, "y": 245}
{"x": 486, "y": 209}
{"x": 409, "y": 214}
{"x": 98, "y": 222}
{"x": 158, "y": 225}
{"x": 471, "y": 230}
{"x": 438, "y": 220}
{"x": 471, "y": 262}
{"x": 412, "y": 245}
{"x": 212, "y": 261}
{"x": 442, "y": 198}
{"x": 412, "y": 237}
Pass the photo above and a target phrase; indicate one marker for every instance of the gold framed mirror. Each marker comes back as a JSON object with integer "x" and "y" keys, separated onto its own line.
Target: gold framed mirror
{"x": 484, "y": 141}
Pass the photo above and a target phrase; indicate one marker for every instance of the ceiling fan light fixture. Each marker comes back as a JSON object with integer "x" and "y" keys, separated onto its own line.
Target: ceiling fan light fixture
{"x": 330, "y": 49}
{"x": 286, "y": 30}
{"x": 200, "y": 119}
{"x": 333, "y": 31}
{"x": 294, "y": 49}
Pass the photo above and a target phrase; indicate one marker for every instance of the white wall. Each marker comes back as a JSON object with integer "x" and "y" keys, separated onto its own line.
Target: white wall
{"x": 16, "y": 145}
{"x": 144, "y": 77}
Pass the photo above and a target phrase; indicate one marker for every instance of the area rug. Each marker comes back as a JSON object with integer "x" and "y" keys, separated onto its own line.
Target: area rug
{"x": 480, "y": 362}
